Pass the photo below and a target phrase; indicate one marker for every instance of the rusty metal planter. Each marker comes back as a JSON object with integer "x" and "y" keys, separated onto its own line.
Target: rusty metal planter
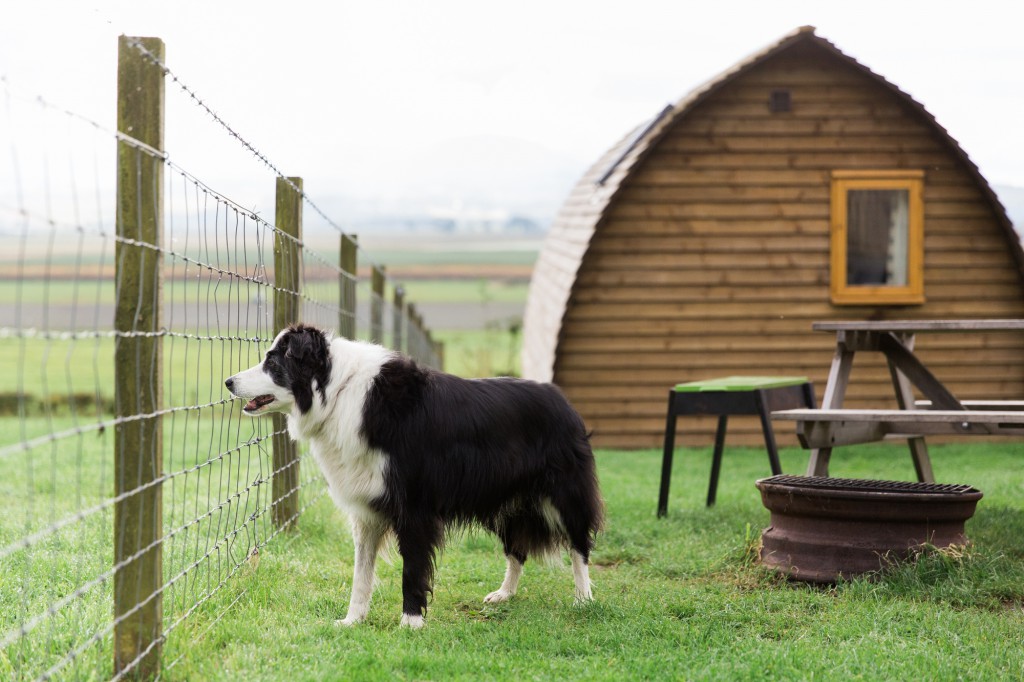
{"x": 824, "y": 529}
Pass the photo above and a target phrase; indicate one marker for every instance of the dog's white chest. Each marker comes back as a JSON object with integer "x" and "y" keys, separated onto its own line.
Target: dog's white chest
{"x": 353, "y": 480}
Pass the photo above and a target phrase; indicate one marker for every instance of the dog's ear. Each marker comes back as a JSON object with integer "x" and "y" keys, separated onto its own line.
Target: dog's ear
{"x": 310, "y": 357}
{"x": 305, "y": 343}
{"x": 297, "y": 349}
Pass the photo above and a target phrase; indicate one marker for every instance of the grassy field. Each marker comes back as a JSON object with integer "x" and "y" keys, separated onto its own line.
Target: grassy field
{"x": 420, "y": 290}
{"x": 59, "y": 370}
{"x": 216, "y": 501}
{"x": 679, "y": 598}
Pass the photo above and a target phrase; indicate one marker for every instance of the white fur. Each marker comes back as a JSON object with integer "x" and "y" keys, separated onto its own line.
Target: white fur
{"x": 255, "y": 382}
{"x": 581, "y": 576}
{"x": 355, "y": 472}
{"x": 513, "y": 570}
{"x": 413, "y": 622}
{"x": 368, "y": 540}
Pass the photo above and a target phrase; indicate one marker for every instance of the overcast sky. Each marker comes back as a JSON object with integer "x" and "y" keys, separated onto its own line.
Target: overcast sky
{"x": 364, "y": 98}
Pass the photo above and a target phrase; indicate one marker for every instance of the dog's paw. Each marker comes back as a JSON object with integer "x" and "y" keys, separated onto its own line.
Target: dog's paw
{"x": 412, "y": 621}
{"x": 582, "y": 599}
{"x": 498, "y": 596}
{"x": 348, "y": 621}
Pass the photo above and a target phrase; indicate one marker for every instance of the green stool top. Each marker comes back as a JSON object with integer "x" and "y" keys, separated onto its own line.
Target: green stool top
{"x": 739, "y": 383}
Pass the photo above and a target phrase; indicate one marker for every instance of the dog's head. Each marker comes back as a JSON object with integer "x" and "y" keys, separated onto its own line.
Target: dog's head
{"x": 297, "y": 365}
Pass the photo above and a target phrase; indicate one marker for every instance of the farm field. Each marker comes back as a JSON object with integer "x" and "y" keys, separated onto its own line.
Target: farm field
{"x": 471, "y": 295}
{"x": 677, "y": 598}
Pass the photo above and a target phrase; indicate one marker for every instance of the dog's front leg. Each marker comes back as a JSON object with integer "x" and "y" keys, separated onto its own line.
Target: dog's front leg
{"x": 368, "y": 536}
{"x": 417, "y": 542}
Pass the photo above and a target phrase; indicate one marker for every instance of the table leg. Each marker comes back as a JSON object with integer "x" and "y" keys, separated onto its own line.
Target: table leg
{"x": 905, "y": 401}
{"x": 835, "y": 391}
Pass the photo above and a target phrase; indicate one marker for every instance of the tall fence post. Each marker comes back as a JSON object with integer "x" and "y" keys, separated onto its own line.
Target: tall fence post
{"x": 377, "y": 304}
{"x": 287, "y": 285}
{"x": 412, "y": 332}
{"x": 349, "y": 262}
{"x": 138, "y": 362}
{"x": 398, "y": 319}
{"x": 438, "y": 348}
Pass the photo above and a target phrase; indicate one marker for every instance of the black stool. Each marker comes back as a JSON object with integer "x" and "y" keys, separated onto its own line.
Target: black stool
{"x": 725, "y": 396}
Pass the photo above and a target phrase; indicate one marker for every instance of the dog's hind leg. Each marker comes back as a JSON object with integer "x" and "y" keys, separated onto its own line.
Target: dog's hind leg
{"x": 581, "y": 577}
{"x": 580, "y": 521}
{"x": 368, "y": 536}
{"x": 513, "y": 570}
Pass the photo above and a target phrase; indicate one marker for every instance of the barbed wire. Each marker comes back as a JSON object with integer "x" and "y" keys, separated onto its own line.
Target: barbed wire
{"x": 201, "y": 103}
{"x": 13, "y": 92}
{"x": 212, "y": 484}
{"x": 96, "y": 637}
{"x": 35, "y": 538}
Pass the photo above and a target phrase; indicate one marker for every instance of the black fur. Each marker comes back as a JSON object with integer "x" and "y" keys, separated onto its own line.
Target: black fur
{"x": 297, "y": 360}
{"x": 488, "y": 451}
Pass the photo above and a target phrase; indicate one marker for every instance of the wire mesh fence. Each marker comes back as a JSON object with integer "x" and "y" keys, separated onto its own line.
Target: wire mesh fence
{"x": 132, "y": 488}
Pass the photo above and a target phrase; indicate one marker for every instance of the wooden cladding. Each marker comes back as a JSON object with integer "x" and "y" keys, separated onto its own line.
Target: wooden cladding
{"x": 710, "y": 250}
{"x": 729, "y": 223}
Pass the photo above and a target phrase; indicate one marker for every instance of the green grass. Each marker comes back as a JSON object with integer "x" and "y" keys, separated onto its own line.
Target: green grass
{"x": 56, "y": 373}
{"x": 421, "y": 290}
{"x": 467, "y": 291}
{"x": 215, "y": 511}
{"x": 677, "y": 598}
{"x": 482, "y": 352}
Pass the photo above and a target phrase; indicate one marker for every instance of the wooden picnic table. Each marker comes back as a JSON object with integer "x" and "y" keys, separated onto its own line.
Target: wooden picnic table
{"x": 940, "y": 413}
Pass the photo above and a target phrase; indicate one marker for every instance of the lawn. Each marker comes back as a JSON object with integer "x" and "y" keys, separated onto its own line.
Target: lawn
{"x": 679, "y": 598}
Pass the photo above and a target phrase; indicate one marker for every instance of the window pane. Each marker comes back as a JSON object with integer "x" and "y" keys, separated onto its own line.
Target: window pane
{"x": 877, "y": 223}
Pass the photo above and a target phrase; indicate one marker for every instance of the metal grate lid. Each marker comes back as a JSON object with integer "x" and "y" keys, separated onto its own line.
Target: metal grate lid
{"x": 822, "y": 482}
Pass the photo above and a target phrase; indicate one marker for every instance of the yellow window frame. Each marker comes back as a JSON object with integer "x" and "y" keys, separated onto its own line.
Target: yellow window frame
{"x": 912, "y": 293}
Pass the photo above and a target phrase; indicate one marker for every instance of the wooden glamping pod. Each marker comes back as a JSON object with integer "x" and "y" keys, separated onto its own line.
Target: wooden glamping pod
{"x": 706, "y": 242}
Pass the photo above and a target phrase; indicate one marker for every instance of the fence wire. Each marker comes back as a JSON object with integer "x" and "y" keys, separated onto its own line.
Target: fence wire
{"x": 59, "y": 293}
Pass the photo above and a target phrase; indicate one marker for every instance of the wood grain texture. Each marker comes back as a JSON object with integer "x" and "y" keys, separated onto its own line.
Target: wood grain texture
{"x": 707, "y": 251}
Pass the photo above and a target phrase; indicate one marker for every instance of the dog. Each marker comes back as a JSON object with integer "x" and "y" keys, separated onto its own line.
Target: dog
{"x": 411, "y": 452}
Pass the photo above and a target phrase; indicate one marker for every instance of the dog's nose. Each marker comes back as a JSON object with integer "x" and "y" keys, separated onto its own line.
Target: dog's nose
{"x": 230, "y": 382}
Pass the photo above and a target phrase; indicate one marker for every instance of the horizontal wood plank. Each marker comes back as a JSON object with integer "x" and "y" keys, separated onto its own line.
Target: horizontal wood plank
{"x": 712, "y": 255}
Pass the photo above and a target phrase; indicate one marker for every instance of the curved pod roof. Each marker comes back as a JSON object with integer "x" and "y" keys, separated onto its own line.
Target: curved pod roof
{"x": 554, "y": 276}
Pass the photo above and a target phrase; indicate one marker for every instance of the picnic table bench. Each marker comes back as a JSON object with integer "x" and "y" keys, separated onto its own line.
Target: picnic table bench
{"x": 940, "y": 413}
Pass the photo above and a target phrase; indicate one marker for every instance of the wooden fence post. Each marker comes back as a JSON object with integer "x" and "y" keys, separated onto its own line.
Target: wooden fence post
{"x": 287, "y": 285}
{"x": 377, "y": 304}
{"x": 138, "y": 362}
{"x": 349, "y": 262}
{"x": 413, "y": 346}
{"x": 438, "y": 347}
{"x": 398, "y": 320}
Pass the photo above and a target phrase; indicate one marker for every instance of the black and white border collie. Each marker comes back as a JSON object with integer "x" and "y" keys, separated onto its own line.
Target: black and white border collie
{"x": 413, "y": 452}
